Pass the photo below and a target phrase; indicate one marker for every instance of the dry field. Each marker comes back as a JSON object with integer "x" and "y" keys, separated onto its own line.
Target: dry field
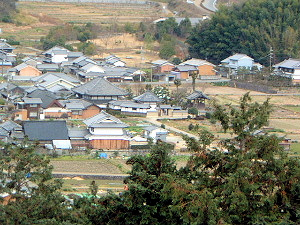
{"x": 91, "y": 12}
{"x": 101, "y": 166}
{"x": 128, "y": 48}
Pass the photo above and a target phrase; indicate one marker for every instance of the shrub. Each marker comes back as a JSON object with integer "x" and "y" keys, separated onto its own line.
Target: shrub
{"x": 193, "y": 111}
{"x": 191, "y": 127}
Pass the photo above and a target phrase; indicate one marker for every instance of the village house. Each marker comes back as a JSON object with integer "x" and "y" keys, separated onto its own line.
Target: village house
{"x": 106, "y": 132}
{"x": 148, "y": 98}
{"x": 10, "y": 91}
{"x": 114, "y": 61}
{"x": 47, "y": 132}
{"x": 29, "y": 108}
{"x": 56, "y": 54}
{"x": 25, "y": 70}
{"x": 147, "y": 105}
{"x": 55, "y": 82}
{"x": 48, "y": 67}
{"x": 100, "y": 91}
{"x": 205, "y": 69}
{"x": 184, "y": 72}
{"x": 9, "y": 130}
{"x": 128, "y": 107}
{"x": 162, "y": 66}
{"x": 239, "y": 61}
{"x": 289, "y": 68}
{"x": 7, "y": 60}
{"x": 6, "y": 47}
{"x": 71, "y": 109}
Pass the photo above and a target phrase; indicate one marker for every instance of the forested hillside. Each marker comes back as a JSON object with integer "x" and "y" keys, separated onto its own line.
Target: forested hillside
{"x": 251, "y": 28}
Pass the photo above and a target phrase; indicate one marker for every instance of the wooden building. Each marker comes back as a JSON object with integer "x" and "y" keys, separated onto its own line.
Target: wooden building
{"x": 106, "y": 132}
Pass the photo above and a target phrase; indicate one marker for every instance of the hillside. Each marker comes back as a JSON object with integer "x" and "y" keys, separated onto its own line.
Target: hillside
{"x": 251, "y": 28}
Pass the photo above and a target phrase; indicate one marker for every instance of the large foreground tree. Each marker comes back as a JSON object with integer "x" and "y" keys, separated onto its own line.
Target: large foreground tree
{"x": 251, "y": 28}
{"x": 246, "y": 179}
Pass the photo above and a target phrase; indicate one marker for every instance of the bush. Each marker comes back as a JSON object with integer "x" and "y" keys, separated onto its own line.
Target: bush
{"x": 193, "y": 111}
{"x": 191, "y": 127}
{"x": 207, "y": 115}
{"x": 163, "y": 126}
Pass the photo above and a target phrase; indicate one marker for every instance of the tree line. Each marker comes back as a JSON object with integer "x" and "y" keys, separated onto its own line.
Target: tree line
{"x": 247, "y": 179}
{"x": 251, "y": 28}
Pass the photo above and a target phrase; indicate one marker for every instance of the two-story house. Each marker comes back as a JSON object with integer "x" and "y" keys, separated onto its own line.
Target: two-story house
{"x": 106, "y": 132}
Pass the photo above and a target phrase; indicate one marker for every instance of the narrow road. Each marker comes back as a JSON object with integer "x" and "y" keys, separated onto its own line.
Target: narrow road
{"x": 210, "y": 5}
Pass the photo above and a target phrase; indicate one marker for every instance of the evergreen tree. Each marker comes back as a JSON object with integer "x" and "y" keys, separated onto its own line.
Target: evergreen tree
{"x": 250, "y": 28}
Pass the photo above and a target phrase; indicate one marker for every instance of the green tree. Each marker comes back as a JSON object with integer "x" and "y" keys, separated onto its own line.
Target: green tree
{"x": 176, "y": 61}
{"x": 177, "y": 83}
{"x": 193, "y": 111}
{"x": 250, "y": 28}
{"x": 27, "y": 178}
{"x": 167, "y": 49}
{"x": 253, "y": 181}
{"x": 194, "y": 77}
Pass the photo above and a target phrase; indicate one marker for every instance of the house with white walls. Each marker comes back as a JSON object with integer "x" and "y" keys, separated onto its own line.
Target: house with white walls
{"x": 106, "y": 132}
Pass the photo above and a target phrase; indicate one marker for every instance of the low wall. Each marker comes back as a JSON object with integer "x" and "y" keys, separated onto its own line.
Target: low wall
{"x": 252, "y": 87}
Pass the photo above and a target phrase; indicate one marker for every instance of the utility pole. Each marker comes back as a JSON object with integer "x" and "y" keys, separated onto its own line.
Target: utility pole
{"x": 271, "y": 58}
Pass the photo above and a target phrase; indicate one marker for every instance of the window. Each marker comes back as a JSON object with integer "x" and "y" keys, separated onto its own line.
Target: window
{"x": 33, "y": 105}
{"x": 76, "y": 112}
{"x": 33, "y": 114}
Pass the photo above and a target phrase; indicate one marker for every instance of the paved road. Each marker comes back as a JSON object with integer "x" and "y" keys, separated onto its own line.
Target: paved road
{"x": 210, "y": 5}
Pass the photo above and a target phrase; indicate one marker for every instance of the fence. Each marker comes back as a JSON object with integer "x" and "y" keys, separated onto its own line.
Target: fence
{"x": 139, "y": 2}
{"x": 252, "y": 87}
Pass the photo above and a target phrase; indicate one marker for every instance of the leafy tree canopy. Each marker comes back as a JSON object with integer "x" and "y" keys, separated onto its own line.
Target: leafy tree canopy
{"x": 246, "y": 179}
{"x": 250, "y": 28}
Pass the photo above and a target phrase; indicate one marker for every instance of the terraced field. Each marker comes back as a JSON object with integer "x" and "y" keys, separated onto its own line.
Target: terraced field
{"x": 92, "y": 12}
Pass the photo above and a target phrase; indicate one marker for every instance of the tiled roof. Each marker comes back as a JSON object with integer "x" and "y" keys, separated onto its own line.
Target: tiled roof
{"x": 32, "y": 101}
{"x": 47, "y": 97}
{"x": 197, "y": 94}
{"x": 46, "y": 130}
{"x": 196, "y": 62}
{"x": 148, "y": 96}
{"x": 99, "y": 87}
{"x": 10, "y": 125}
{"x": 103, "y": 119}
{"x": 289, "y": 63}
